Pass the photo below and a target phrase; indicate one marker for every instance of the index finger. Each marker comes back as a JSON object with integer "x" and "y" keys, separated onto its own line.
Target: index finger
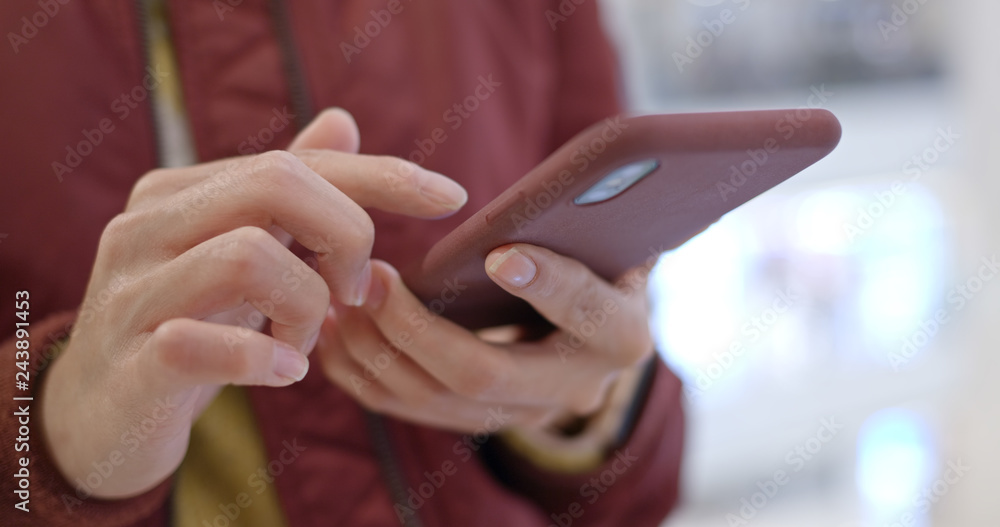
{"x": 386, "y": 183}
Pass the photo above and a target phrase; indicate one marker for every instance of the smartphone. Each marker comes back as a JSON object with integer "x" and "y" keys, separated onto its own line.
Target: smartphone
{"x": 618, "y": 194}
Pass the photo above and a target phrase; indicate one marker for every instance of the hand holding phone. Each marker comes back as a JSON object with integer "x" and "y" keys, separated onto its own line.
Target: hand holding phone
{"x": 619, "y": 193}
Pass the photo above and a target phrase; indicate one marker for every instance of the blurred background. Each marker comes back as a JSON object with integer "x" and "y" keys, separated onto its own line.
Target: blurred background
{"x": 838, "y": 335}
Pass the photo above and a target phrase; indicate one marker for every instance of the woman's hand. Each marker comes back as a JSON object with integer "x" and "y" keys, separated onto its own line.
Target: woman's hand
{"x": 396, "y": 357}
{"x": 185, "y": 277}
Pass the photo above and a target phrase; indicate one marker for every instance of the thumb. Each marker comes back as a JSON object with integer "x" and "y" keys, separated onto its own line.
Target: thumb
{"x": 332, "y": 129}
{"x": 574, "y": 299}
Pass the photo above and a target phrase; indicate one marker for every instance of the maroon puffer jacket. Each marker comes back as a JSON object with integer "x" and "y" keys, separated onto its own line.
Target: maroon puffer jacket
{"x": 525, "y": 76}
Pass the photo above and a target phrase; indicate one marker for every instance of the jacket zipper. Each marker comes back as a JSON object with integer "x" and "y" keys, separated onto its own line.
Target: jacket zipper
{"x": 142, "y": 16}
{"x": 297, "y": 87}
{"x": 387, "y": 461}
{"x": 304, "y": 112}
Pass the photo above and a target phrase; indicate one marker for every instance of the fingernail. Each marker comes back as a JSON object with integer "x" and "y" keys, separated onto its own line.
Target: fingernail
{"x": 445, "y": 192}
{"x": 289, "y": 363}
{"x": 376, "y": 295}
{"x": 361, "y": 293}
{"x": 514, "y": 268}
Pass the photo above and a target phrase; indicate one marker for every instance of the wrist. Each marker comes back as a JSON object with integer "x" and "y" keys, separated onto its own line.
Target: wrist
{"x": 578, "y": 444}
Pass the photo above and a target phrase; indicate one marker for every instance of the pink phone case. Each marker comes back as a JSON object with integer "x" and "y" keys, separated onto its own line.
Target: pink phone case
{"x": 709, "y": 164}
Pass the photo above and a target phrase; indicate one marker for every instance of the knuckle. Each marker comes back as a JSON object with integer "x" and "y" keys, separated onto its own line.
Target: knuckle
{"x": 477, "y": 384}
{"x": 253, "y": 236}
{"x": 276, "y": 161}
{"x": 405, "y": 167}
{"x": 552, "y": 281}
{"x": 235, "y": 174}
{"x": 243, "y": 251}
{"x": 116, "y": 234}
{"x": 359, "y": 233}
{"x": 170, "y": 342}
{"x": 118, "y": 227}
{"x": 319, "y": 293}
{"x": 146, "y": 184}
{"x": 277, "y": 170}
{"x": 365, "y": 230}
{"x": 310, "y": 156}
{"x": 171, "y": 334}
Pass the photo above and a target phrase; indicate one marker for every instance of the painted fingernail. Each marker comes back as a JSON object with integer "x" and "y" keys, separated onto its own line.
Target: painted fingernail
{"x": 514, "y": 268}
{"x": 364, "y": 284}
{"x": 376, "y": 295}
{"x": 445, "y": 192}
{"x": 289, "y": 363}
